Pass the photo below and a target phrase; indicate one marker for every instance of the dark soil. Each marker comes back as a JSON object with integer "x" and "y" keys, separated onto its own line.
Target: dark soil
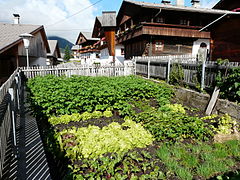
{"x": 93, "y": 122}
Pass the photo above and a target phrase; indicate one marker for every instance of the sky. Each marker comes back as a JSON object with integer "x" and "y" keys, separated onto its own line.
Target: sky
{"x": 65, "y": 18}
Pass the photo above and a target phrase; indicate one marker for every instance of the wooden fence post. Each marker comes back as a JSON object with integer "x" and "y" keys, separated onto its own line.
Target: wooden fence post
{"x": 203, "y": 76}
{"x": 168, "y": 69}
{"x": 202, "y": 57}
{"x": 11, "y": 92}
{"x": 135, "y": 66}
{"x": 148, "y": 68}
{"x": 17, "y": 92}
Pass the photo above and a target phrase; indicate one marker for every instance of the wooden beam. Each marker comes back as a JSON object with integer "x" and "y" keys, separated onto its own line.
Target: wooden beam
{"x": 110, "y": 38}
{"x": 212, "y": 101}
{"x": 177, "y": 32}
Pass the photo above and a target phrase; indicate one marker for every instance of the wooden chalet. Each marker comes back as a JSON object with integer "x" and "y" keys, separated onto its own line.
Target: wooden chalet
{"x": 105, "y": 29}
{"x": 86, "y": 43}
{"x": 12, "y": 51}
{"x": 99, "y": 32}
{"x": 149, "y": 29}
{"x": 225, "y": 32}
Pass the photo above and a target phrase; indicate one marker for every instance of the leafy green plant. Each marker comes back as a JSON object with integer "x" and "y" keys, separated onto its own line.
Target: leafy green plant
{"x": 92, "y": 142}
{"x": 126, "y": 165}
{"x": 176, "y": 75}
{"x": 229, "y": 82}
{"x": 65, "y": 119}
{"x": 54, "y": 96}
{"x": 221, "y": 124}
{"x": 107, "y": 114}
{"x": 170, "y": 123}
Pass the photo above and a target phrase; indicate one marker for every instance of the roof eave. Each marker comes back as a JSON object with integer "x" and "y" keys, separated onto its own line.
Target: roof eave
{"x": 41, "y": 28}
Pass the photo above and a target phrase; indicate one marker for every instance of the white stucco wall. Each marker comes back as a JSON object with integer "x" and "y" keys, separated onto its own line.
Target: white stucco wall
{"x": 196, "y": 45}
{"x": 105, "y": 59}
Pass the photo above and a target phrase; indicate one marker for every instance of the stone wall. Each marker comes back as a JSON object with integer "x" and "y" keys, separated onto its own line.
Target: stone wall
{"x": 200, "y": 101}
{"x": 224, "y": 106}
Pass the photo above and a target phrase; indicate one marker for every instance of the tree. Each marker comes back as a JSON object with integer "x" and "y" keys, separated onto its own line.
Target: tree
{"x": 67, "y": 52}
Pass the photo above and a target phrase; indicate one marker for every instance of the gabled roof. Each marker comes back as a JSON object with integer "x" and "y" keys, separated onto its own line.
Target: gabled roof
{"x": 179, "y": 8}
{"x": 87, "y": 36}
{"x": 130, "y": 10}
{"x": 227, "y": 4}
{"x": 99, "y": 18}
{"x": 97, "y": 26}
{"x": 9, "y": 34}
{"x": 53, "y": 45}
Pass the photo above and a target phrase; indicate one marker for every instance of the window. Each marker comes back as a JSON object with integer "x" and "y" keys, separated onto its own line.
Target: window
{"x": 159, "y": 46}
{"x": 160, "y": 20}
{"x": 122, "y": 51}
{"x": 185, "y": 22}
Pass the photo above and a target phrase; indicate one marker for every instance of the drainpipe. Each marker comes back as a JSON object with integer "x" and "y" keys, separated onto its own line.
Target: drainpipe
{"x": 213, "y": 22}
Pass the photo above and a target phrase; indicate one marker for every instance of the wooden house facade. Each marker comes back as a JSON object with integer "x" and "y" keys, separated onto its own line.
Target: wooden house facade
{"x": 13, "y": 52}
{"x": 105, "y": 28}
{"x": 149, "y": 29}
{"x": 225, "y": 32}
{"x": 86, "y": 43}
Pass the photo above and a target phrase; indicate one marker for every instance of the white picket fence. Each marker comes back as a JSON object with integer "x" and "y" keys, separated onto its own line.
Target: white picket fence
{"x": 160, "y": 67}
{"x": 108, "y": 71}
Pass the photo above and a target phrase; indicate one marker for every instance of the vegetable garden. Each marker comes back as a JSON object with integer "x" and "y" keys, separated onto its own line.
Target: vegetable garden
{"x": 129, "y": 128}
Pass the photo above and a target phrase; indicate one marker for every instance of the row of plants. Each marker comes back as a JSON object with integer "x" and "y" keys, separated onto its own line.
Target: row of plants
{"x": 138, "y": 134}
{"x": 76, "y": 117}
{"x": 51, "y": 95}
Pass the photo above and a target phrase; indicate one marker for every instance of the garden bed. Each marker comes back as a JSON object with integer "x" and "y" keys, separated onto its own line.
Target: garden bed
{"x": 129, "y": 128}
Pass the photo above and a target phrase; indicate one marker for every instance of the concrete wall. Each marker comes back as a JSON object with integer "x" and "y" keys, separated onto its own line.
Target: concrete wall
{"x": 200, "y": 101}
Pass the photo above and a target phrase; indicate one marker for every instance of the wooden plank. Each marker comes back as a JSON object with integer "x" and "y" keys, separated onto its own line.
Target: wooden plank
{"x": 212, "y": 101}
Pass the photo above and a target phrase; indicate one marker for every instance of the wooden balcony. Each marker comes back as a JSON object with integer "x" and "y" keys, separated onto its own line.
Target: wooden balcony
{"x": 167, "y": 30}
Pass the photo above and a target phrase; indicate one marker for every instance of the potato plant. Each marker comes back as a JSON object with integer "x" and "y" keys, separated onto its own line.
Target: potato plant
{"x": 51, "y": 95}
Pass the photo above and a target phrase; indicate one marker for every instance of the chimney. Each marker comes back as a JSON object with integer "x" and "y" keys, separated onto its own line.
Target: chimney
{"x": 16, "y": 19}
{"x": 166, "y": 2}
{"x": 195, "y": 3}
{"x": 180, "y": 3}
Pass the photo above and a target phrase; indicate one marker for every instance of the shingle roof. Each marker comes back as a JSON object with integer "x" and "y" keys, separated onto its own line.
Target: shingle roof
{"x": 9, "y": 34}
{"x": 179, "y": 8}
{"x": 88, "y": 36}
{"x": 99, "y": 19}
{"x": 52, "y": 46}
